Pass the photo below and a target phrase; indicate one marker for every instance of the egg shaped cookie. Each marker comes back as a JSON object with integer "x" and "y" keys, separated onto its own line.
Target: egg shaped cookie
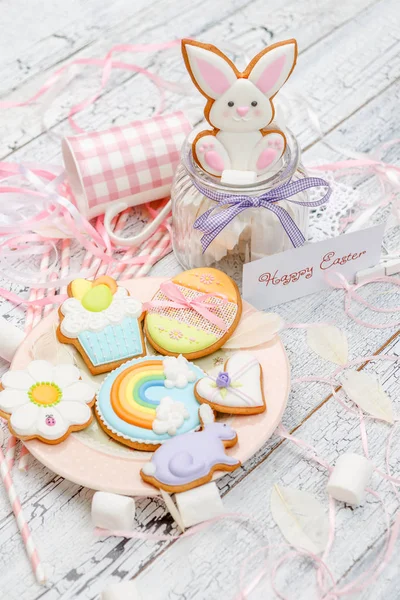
{"x": 193, "y": 314}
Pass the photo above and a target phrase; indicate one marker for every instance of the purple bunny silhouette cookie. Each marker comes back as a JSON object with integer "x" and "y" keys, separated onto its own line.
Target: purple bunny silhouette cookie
{"x": 189, "y": 460}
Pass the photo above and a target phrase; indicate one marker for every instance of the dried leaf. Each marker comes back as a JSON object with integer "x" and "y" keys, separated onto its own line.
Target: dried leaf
{"x": 47, "y": 347}
{"x": 301, "y": 518}
{"x": 173, "y": 510}
{"x": 254, "y": 328}
{"x": 365, "y": 390}
{"x": 329, "y": 342}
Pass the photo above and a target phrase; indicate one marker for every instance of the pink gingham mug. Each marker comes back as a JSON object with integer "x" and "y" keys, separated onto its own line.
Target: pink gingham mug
{"x": 111, "y": 170}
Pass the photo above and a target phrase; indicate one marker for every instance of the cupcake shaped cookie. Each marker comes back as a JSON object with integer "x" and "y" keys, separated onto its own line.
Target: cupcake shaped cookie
{"x": 193, "y": 314}
{"x": 103, "y": 322}
{"x": 149, "y": 400}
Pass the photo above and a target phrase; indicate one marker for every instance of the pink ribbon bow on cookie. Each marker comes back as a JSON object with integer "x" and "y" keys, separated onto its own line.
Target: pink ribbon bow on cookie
{"x": 201, "y": 304}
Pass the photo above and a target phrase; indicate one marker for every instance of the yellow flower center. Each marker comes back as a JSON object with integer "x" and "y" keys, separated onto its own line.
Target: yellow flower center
{"x": 45, "y": 393}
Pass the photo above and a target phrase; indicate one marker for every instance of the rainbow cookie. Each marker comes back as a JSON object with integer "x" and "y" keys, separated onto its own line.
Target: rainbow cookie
{"x": 238, "y": 389}
{"x": 45, "y": 402}
{"x": 103, "y": 322}
{"x": 148, "y": 400}
{"x": 190, "y": 460}
{"x": 193, "y": 314}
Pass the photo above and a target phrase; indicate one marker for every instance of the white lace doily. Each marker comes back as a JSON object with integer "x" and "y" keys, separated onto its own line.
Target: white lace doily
{"x": 326, "y": 221}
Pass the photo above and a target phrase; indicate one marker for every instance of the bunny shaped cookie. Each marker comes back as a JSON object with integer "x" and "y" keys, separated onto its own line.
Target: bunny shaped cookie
{"x": 190, "y": 459}
{"x": 239, "y": 106}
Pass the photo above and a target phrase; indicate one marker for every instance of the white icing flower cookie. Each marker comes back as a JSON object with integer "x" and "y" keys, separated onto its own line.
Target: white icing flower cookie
{"x": 189, "y": 460}
{"x": 238, "y": 389}
{"x": 46, "y": 402}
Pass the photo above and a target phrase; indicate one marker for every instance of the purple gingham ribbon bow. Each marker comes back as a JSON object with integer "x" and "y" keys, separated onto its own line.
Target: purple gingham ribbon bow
{"x": 213, "y": 221}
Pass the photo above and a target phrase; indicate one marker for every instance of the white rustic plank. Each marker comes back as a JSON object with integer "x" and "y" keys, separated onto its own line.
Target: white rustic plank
{"x": 351, "y": 66}
{"x": 85, "y": 564}
{"x": 62, "y": 30}
{"x": 230, "y": 22}
{"x": 151, "y": 25}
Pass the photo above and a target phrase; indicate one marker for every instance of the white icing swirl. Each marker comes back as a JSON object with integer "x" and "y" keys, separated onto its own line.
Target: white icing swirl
{"x": 78, "y": 319}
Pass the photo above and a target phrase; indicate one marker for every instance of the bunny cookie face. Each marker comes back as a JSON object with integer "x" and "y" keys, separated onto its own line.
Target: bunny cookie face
{"x": 241, "y": 108}
{"x": 238, "y": 103}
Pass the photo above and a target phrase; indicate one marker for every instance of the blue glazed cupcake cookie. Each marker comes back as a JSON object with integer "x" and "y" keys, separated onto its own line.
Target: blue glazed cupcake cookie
{"x": 149, "y": 400}
{"x": 103, "y": 322}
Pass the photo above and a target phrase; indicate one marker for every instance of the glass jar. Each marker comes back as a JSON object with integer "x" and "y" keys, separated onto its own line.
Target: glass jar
{"x": 254, "y": 233}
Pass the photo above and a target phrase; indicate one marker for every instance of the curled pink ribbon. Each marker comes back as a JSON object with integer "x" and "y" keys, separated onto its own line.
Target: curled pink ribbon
{"x": 201, "y": 304}
{"x": 338, "y": 281}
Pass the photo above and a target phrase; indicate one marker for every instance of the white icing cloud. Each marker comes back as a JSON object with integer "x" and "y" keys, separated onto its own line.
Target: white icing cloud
{"x": 78, "y": 319}
{"x": 170, "y": 415}
{"x": 177, "y": 372}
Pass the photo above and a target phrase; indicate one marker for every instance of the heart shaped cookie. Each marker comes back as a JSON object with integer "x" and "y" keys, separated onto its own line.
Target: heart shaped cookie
{"x": 238, "y": 389}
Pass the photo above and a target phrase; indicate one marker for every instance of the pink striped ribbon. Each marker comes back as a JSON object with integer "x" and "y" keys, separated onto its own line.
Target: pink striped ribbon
{"x": 201, "y": 304}
{"x": 20, "y": 518}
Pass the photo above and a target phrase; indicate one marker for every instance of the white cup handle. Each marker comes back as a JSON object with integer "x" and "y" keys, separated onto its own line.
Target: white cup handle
{"x": 134, "y": 240}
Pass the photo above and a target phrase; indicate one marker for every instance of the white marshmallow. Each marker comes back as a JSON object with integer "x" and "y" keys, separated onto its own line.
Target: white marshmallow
{"x": 200, "y": 504}
{"x": 126, "y": 590}
{"x": 10, "y": 339}
{"x": 370, "y": 273}
{"x": 234, "y": 177}
{"x": 392, "y": 267}
{"x": 111, "y": 511}
{"x": 349, "y": 478}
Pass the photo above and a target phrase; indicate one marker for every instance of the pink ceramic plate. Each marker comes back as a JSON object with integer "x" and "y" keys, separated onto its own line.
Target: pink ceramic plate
{"x": 92, "y": 459}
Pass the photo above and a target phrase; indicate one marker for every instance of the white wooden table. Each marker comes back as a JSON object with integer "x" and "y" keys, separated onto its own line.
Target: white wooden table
{"x": 349, "y": 66}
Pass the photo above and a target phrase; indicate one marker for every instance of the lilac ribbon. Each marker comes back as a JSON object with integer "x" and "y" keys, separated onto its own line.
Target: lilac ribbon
{"x": 213, "y": 221}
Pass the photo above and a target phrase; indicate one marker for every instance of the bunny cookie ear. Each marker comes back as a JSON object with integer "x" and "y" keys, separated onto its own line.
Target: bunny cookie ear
{"x": 271, "y": 68}
{"x": 211, "y": 71}
{"x": 206, "y": 414}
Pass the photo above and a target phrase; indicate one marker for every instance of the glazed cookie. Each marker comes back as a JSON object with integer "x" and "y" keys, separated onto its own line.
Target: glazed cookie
{"x": 46, "y": 402}
{"x": 190, "y": 460}
{"x": 238, "y": 389}
{"x": 103, "y": 322}
{"x": 194, "y": 314}
{"x": 148, "y": 400}
{"x": 239, "y": 106}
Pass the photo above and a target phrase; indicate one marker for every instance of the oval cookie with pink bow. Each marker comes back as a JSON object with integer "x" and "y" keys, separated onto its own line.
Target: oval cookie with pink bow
{"x": 237, "y": 389}
{"x": 193, "y": 314}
